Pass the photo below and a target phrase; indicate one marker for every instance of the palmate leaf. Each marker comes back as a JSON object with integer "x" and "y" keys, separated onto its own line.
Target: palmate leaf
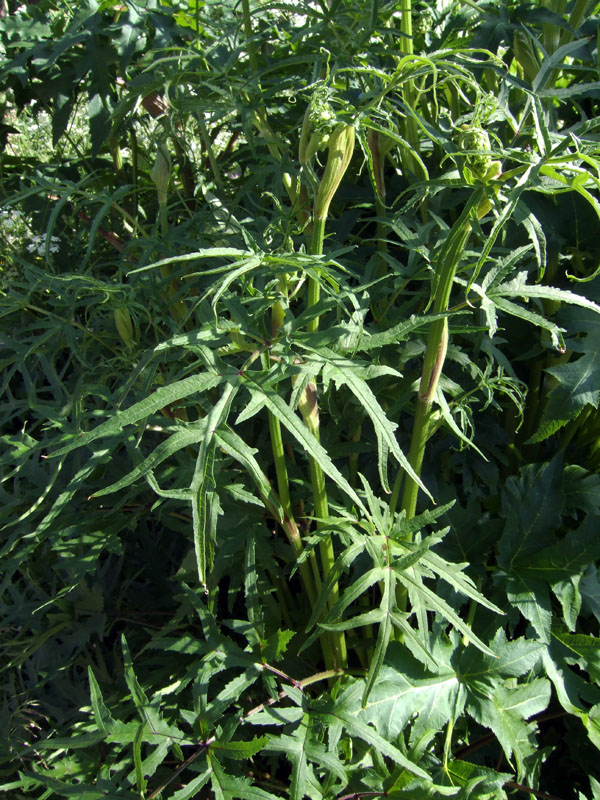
{"x": 228, "y": 787}
{"x": 478, "y": 781}
{"x": 570, "y": 556}
{"x": 343, "y": 710}
{"x": 505, "y": 711}
{"x": 532, "y": 598}
{"x": 295, "y": 749}
{"x": 531, "y": 504}
{"x": 580, "y": 649}
{"x": 578, "y": 387}
{"x": 404, "y": 688}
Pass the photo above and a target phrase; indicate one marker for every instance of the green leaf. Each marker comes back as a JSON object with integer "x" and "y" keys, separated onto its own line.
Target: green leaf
{"x": 531, "y": 505}
{"x": 240, "y": 750}
{"x": 203, "y": 479}
{"x": 342, "y": 372}
{"x": 234, "y": 446}
{"x": 340, "y": 712}
{"x": 228, "y": 787}
{"x": 309, "y": 443}
{"x": 162, "y": 397}
{"x": 405, "y": 689}
{"x": 582, "y": 649}
{"x": 568, "y": 557}
{"x": 505, "y": 711}
{"x": 477, "y": 781}
{"x": 176, "y": 442}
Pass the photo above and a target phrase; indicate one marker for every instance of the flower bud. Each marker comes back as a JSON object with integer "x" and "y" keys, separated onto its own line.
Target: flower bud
{"x": 124, "y": 326}
{"x": 341, "y": 148}
{"x": 479, "y": 159}
{"x": 161, "y": 173}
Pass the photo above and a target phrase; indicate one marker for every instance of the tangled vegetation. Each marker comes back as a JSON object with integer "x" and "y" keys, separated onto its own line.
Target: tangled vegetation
{"x": 300, "y": 366}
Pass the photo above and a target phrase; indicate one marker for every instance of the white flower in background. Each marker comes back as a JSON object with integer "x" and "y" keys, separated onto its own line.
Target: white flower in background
{"x": 37, "y": 244}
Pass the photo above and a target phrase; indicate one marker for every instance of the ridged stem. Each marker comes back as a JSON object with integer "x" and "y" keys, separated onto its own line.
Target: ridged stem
{"x": 310, "y": 415}
{"x": 435, "y": 356}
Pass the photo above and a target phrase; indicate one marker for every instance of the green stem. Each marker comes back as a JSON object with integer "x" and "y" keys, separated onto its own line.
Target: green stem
{"x": 310, "y": 415}
{"x": 435, "y": 356}
{"x": 310, "y": 580}
{"x": 248, "y": 32}
{"x": 411, "y": 133}
{"x": 314, "y": 287}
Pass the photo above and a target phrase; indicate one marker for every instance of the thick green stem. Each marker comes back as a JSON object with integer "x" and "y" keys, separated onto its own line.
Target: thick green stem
{"x": 310, "y": 414}
{"x": 435, "y": 355}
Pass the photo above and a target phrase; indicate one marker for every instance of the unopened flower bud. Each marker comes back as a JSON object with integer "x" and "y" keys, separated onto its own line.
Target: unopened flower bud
{"x": 161, "y": 173}
{"x": 341, "y": 148}
{"x": 124, "y": 326}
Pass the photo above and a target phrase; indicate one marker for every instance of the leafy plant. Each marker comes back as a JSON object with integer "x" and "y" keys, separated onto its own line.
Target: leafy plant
{"x": 299, "y": 462}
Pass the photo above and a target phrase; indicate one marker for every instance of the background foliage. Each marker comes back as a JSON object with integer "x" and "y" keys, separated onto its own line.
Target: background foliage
{"x": 217, "y": 577}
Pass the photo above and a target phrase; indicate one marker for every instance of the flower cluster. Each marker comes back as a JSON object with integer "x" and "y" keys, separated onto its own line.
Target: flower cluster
{"x": 37, "y": 244}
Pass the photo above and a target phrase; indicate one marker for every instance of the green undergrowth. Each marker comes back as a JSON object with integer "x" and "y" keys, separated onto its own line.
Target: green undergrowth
{"x": 300, "y": 441}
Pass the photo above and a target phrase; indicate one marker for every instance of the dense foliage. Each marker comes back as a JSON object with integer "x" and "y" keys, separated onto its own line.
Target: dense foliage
{"x": 300, "y": 434}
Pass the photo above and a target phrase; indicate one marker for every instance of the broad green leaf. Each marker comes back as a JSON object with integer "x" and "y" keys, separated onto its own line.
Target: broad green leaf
{"x": 568, "y": 557}
{"x": 405, "y": 688}
{"x": 532, "y": 599}
{"x": 356, "y": 727}
{"x": 477, "y": 781}
{"x": 582, "y": 649}
{"x": 531, "y": 505}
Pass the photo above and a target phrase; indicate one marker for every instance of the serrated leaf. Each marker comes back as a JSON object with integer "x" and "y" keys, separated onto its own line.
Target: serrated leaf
{"x": 404, "y": 690}
{"x": 309, "y": 443}
{"x": 532, "y": 504}
{"x": 341, "y": 372}
{"x": 532, "y": 599}
{"x": 240, "y": 750}
{"x": 568, "y": 557}
{"x": 578, "y": 386}
{"x": 162, "y": 397}
{"x": 477, "y": 781}
{"x": 234, "y": 446}
{"x": 582, "y": 649}
{"x": 228, "y": 787}
{"x": 164, "y": 450}
{"x": 338, "y": 712}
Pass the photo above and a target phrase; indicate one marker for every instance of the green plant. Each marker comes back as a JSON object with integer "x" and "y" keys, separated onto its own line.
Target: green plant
{"x": 296, "y": 248}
